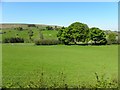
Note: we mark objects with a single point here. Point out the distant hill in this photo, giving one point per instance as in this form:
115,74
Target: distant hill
109,31
40,26
15,25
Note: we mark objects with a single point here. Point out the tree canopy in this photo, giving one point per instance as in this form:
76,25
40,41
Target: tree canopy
80,32
97,35
76,32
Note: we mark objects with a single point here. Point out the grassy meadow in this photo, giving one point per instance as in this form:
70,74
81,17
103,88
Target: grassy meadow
48,34
59,64
28,65
59,45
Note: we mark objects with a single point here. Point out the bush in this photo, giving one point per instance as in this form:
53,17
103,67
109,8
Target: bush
31,25
19,28
111,39
47,42
13,40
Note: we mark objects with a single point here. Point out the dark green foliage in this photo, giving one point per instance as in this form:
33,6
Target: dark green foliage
13,40
56,28
49,28
30,33
79,32
103,41
19,29
2,32
31,25
63,27
76,32
98,36
62,36
47,42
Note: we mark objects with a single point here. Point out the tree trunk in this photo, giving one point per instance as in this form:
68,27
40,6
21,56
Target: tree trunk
75,41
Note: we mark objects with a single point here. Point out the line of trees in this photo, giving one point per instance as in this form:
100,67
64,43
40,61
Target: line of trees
52,28
76,33
80,33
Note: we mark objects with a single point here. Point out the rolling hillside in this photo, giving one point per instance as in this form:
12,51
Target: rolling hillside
15,25
9,30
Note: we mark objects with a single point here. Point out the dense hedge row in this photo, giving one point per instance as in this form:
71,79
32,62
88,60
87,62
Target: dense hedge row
47,42
13,40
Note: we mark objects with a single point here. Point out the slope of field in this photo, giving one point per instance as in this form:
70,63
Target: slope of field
24,63
48,34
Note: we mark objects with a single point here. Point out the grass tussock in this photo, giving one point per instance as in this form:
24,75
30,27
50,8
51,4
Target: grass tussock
60,81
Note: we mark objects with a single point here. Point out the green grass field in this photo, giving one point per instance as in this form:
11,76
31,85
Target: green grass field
24,63
1,65
48,34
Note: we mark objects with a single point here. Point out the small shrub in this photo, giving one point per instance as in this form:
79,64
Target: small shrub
47,42
19,28
31,25
13,40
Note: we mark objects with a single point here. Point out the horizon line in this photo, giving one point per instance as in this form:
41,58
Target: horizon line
46,24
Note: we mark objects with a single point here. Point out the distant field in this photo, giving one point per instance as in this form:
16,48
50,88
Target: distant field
24,63
48,34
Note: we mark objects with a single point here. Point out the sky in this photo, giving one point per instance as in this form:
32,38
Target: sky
60,0
95,14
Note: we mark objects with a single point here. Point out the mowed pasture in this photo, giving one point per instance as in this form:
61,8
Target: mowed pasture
23,63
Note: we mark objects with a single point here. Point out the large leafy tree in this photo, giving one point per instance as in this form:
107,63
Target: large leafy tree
98,36
63,35
76,32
